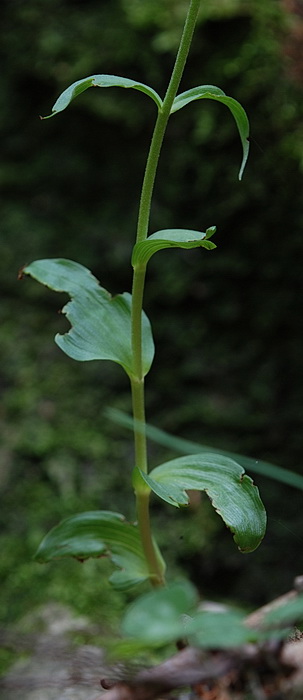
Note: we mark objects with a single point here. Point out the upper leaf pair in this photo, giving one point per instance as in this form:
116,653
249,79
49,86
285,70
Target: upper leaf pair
201,92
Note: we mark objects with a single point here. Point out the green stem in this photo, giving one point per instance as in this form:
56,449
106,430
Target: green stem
161,123
137,388
156,571
137,382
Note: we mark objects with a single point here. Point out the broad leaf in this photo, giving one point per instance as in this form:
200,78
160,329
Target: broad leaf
101,324
96,534
157,618
171,238
230,490
289,613
219,630
166,615
104,81
210,92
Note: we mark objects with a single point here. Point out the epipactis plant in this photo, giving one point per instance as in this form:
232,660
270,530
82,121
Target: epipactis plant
116,328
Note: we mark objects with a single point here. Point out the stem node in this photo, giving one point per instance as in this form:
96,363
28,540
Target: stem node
137,382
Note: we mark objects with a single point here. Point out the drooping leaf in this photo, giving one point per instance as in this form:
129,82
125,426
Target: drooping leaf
196,93
210,92
101,324
231,491
271,471
171,238
104,81
96,534
157,618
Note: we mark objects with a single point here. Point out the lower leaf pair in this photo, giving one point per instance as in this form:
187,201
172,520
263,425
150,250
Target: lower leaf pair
103,533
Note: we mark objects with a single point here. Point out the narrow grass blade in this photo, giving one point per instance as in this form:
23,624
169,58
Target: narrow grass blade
271,471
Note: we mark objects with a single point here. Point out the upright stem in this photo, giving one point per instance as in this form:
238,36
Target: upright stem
161,123
137,382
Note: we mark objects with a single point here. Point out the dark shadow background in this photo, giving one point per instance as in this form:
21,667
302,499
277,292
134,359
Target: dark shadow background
227,324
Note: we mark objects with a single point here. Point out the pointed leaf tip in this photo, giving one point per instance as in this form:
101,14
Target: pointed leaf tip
170,238
211,92
210,231
101,80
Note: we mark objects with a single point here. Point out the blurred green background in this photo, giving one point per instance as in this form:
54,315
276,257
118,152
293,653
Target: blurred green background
227,324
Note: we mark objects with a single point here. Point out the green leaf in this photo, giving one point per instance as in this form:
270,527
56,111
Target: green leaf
104,81
166,615
101,324
210,232
230,490
196,93
96,534
170,238
210,92
219,630
156,618
289,613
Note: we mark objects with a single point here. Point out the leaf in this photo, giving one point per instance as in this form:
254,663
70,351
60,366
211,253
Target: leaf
101,324
219,630
231,491
196,93
157,618
289,613
104,81
211,92
166,615
210,232
170,238
96,534
271,471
